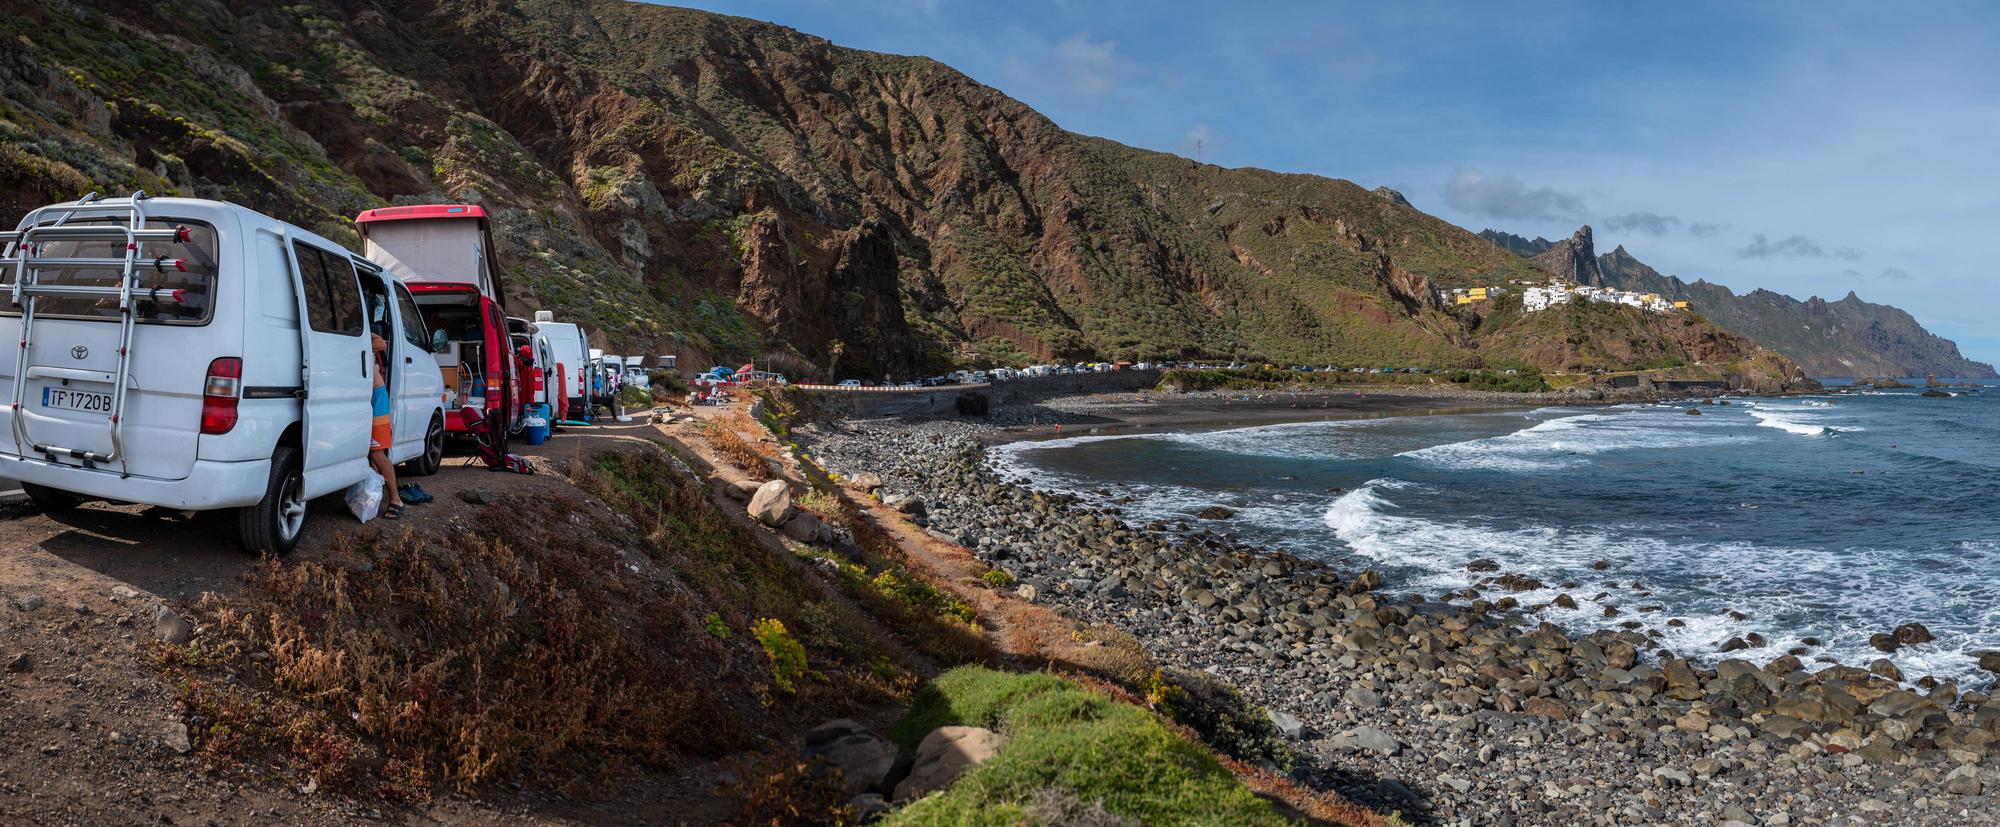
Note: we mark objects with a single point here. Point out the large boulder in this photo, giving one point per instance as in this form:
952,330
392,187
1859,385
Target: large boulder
907,503
1369,739
1288,725
864,760
170,627
806,527
1912,634
867,481
946,754
772,504
743,489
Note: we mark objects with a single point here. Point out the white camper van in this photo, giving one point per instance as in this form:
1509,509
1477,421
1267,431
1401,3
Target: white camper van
163,361
571,357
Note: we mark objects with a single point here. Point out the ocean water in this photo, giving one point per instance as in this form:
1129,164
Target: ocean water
1831,517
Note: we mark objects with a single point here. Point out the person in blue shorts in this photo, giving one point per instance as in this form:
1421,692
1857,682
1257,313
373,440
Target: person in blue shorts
379,436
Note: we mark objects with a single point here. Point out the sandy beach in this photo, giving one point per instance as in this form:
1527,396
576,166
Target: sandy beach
1138,412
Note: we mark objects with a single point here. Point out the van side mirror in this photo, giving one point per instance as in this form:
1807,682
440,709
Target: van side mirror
437,341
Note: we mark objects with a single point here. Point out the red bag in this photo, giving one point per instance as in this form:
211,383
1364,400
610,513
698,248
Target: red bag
486,440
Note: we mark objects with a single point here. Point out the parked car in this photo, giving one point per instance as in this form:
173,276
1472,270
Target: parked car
210,393
637,376
443,252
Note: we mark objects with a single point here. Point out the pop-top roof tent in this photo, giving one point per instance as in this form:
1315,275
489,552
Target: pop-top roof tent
433,243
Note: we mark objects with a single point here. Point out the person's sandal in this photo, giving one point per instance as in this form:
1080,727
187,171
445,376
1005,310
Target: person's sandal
392,512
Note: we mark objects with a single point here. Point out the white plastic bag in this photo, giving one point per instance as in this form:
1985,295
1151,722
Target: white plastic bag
364,498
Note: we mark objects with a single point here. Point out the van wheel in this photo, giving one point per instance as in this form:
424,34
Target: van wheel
273,525
51,499
433,456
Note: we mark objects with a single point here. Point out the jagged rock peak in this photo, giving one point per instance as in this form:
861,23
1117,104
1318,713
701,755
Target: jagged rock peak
1582,238
1574,259
1393,196
1515,244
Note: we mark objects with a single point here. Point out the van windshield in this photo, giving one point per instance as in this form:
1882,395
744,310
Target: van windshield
198,254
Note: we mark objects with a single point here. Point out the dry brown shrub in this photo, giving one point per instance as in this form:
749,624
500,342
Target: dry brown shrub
724,436
469,661
782,791
1118,656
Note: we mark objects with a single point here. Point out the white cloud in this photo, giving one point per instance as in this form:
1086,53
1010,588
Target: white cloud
1648,223
1796,246
1077,68
1093,68
1505,197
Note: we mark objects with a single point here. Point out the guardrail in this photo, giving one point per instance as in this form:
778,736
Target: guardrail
892,388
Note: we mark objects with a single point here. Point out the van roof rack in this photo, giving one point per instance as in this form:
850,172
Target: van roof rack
23,259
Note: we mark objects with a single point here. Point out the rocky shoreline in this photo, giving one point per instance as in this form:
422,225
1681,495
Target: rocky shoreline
1456,710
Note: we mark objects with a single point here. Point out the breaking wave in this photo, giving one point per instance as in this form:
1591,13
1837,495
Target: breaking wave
1792,425
1568,442
1837,596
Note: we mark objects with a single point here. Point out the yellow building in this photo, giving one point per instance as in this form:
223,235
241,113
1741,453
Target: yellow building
1680,305
1464,299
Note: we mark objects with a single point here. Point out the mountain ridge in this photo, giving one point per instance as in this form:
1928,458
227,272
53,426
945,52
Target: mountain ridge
728,188
1844,338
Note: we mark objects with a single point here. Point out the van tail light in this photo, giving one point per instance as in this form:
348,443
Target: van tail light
219,393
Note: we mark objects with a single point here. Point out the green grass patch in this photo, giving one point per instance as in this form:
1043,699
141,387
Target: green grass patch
1066,739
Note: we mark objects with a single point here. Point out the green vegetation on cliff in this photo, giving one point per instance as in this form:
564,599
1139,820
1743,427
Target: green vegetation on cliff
1069,752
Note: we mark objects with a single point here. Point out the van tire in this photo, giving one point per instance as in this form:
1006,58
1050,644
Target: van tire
266,528
428,462
50,499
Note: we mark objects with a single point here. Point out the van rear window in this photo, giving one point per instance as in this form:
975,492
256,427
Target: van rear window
198,254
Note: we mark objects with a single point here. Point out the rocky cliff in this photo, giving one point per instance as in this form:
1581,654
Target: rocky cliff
678,179
1573,259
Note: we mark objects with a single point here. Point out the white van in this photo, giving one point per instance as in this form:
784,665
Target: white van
566,344
225,400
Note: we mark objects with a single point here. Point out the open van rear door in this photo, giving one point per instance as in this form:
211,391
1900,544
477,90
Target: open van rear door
307,436
336,368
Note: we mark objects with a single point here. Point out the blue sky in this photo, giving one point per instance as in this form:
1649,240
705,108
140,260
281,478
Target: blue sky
1811,149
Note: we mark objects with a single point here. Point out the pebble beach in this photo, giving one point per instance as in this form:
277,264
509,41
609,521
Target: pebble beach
1452,709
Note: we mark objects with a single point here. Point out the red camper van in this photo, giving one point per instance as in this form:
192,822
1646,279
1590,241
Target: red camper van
444,253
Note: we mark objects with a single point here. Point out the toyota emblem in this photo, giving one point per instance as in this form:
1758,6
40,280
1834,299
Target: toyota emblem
79,351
